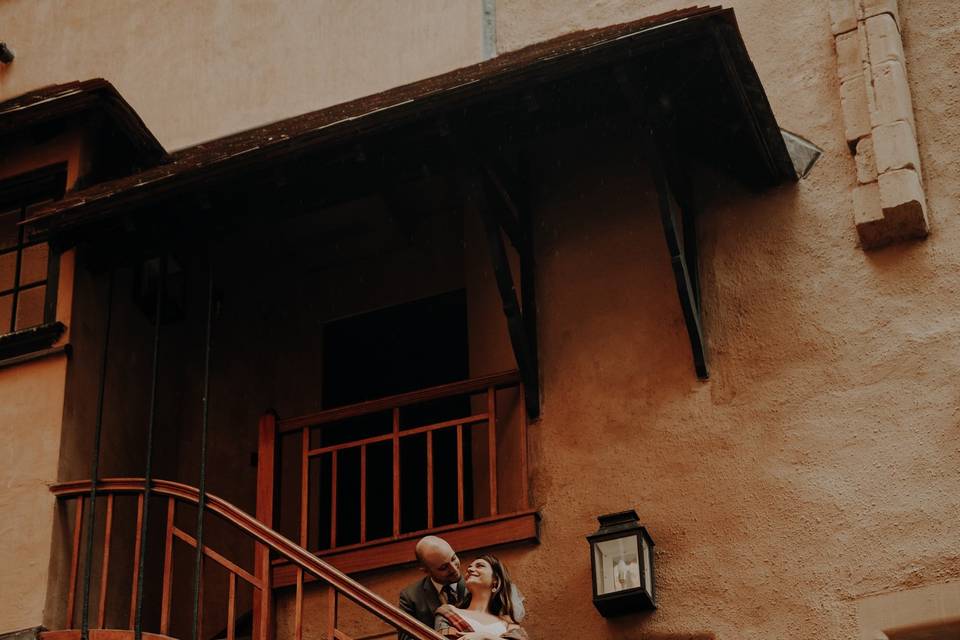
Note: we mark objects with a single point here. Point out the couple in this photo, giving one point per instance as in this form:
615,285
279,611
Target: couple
481,605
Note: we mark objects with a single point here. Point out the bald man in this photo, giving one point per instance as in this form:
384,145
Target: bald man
442,584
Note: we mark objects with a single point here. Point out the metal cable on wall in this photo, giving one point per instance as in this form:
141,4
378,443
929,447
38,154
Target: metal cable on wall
148,467
198,565
95,464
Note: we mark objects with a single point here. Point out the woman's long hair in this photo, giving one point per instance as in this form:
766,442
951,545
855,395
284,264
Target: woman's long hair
501,601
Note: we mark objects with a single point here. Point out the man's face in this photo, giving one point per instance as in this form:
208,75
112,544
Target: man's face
441,563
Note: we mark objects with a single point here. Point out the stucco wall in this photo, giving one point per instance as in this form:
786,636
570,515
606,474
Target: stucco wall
31,411
200,70
31,404
819,464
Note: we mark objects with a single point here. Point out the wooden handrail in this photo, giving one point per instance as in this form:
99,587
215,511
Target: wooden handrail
279,544
502,379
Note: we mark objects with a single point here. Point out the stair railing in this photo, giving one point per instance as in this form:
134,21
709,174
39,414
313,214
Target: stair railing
266,541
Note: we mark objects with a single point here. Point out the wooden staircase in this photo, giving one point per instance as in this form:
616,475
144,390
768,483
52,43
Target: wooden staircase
268,545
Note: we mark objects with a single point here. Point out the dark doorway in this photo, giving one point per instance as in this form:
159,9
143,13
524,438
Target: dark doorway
394,350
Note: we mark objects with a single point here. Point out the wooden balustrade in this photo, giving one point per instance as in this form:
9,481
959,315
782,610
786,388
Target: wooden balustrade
277,561
480,395
262,536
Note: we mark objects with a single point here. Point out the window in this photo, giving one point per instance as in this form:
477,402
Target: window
28,269
407,444
394,350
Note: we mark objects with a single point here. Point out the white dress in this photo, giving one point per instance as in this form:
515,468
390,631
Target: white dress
494,628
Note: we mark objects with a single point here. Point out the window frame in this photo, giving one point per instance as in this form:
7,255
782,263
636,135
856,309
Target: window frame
21,192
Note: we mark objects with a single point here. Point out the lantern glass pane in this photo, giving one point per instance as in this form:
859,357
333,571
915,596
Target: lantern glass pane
618,565
648,562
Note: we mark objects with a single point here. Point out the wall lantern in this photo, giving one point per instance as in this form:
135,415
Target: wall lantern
621,555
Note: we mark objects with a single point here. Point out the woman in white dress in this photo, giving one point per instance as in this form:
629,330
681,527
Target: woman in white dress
487,613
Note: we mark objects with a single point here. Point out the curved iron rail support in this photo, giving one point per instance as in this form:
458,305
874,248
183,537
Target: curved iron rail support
281,545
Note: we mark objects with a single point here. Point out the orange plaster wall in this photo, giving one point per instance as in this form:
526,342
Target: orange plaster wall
31,412
31,408
819,465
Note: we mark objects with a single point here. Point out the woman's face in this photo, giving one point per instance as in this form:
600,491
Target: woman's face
479,574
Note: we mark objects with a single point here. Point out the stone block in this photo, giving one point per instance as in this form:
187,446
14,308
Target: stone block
866,164
849,58
891,209
856,111
883,39
891,94
903,205
843,16
866,204
895,147
868,8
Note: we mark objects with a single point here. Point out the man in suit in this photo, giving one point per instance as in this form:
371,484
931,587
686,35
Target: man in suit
443,583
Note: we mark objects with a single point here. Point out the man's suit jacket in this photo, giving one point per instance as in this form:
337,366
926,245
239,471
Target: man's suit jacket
421,600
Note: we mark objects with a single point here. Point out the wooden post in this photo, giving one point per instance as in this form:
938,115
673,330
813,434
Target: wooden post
167,568
137,541
492,447
396,472
75,561
524,473
105,565
266,458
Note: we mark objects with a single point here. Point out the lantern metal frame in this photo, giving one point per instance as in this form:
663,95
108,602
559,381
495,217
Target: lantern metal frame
624,525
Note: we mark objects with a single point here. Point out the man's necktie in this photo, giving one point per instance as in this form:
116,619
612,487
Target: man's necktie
450,592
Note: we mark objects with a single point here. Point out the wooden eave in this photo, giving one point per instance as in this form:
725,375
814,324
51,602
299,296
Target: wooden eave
46,105
492,91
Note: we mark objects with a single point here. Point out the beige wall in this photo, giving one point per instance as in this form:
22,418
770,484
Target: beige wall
200,70
819,465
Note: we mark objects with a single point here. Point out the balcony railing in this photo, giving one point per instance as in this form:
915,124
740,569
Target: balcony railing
483,421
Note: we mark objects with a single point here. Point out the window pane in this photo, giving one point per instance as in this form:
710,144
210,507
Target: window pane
8,228
8,269
6,306
30,307
33,264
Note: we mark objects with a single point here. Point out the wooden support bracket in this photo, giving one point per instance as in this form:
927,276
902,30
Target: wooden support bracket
673,193
503,210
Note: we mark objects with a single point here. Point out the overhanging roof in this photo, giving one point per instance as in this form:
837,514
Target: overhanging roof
58,102
696,56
